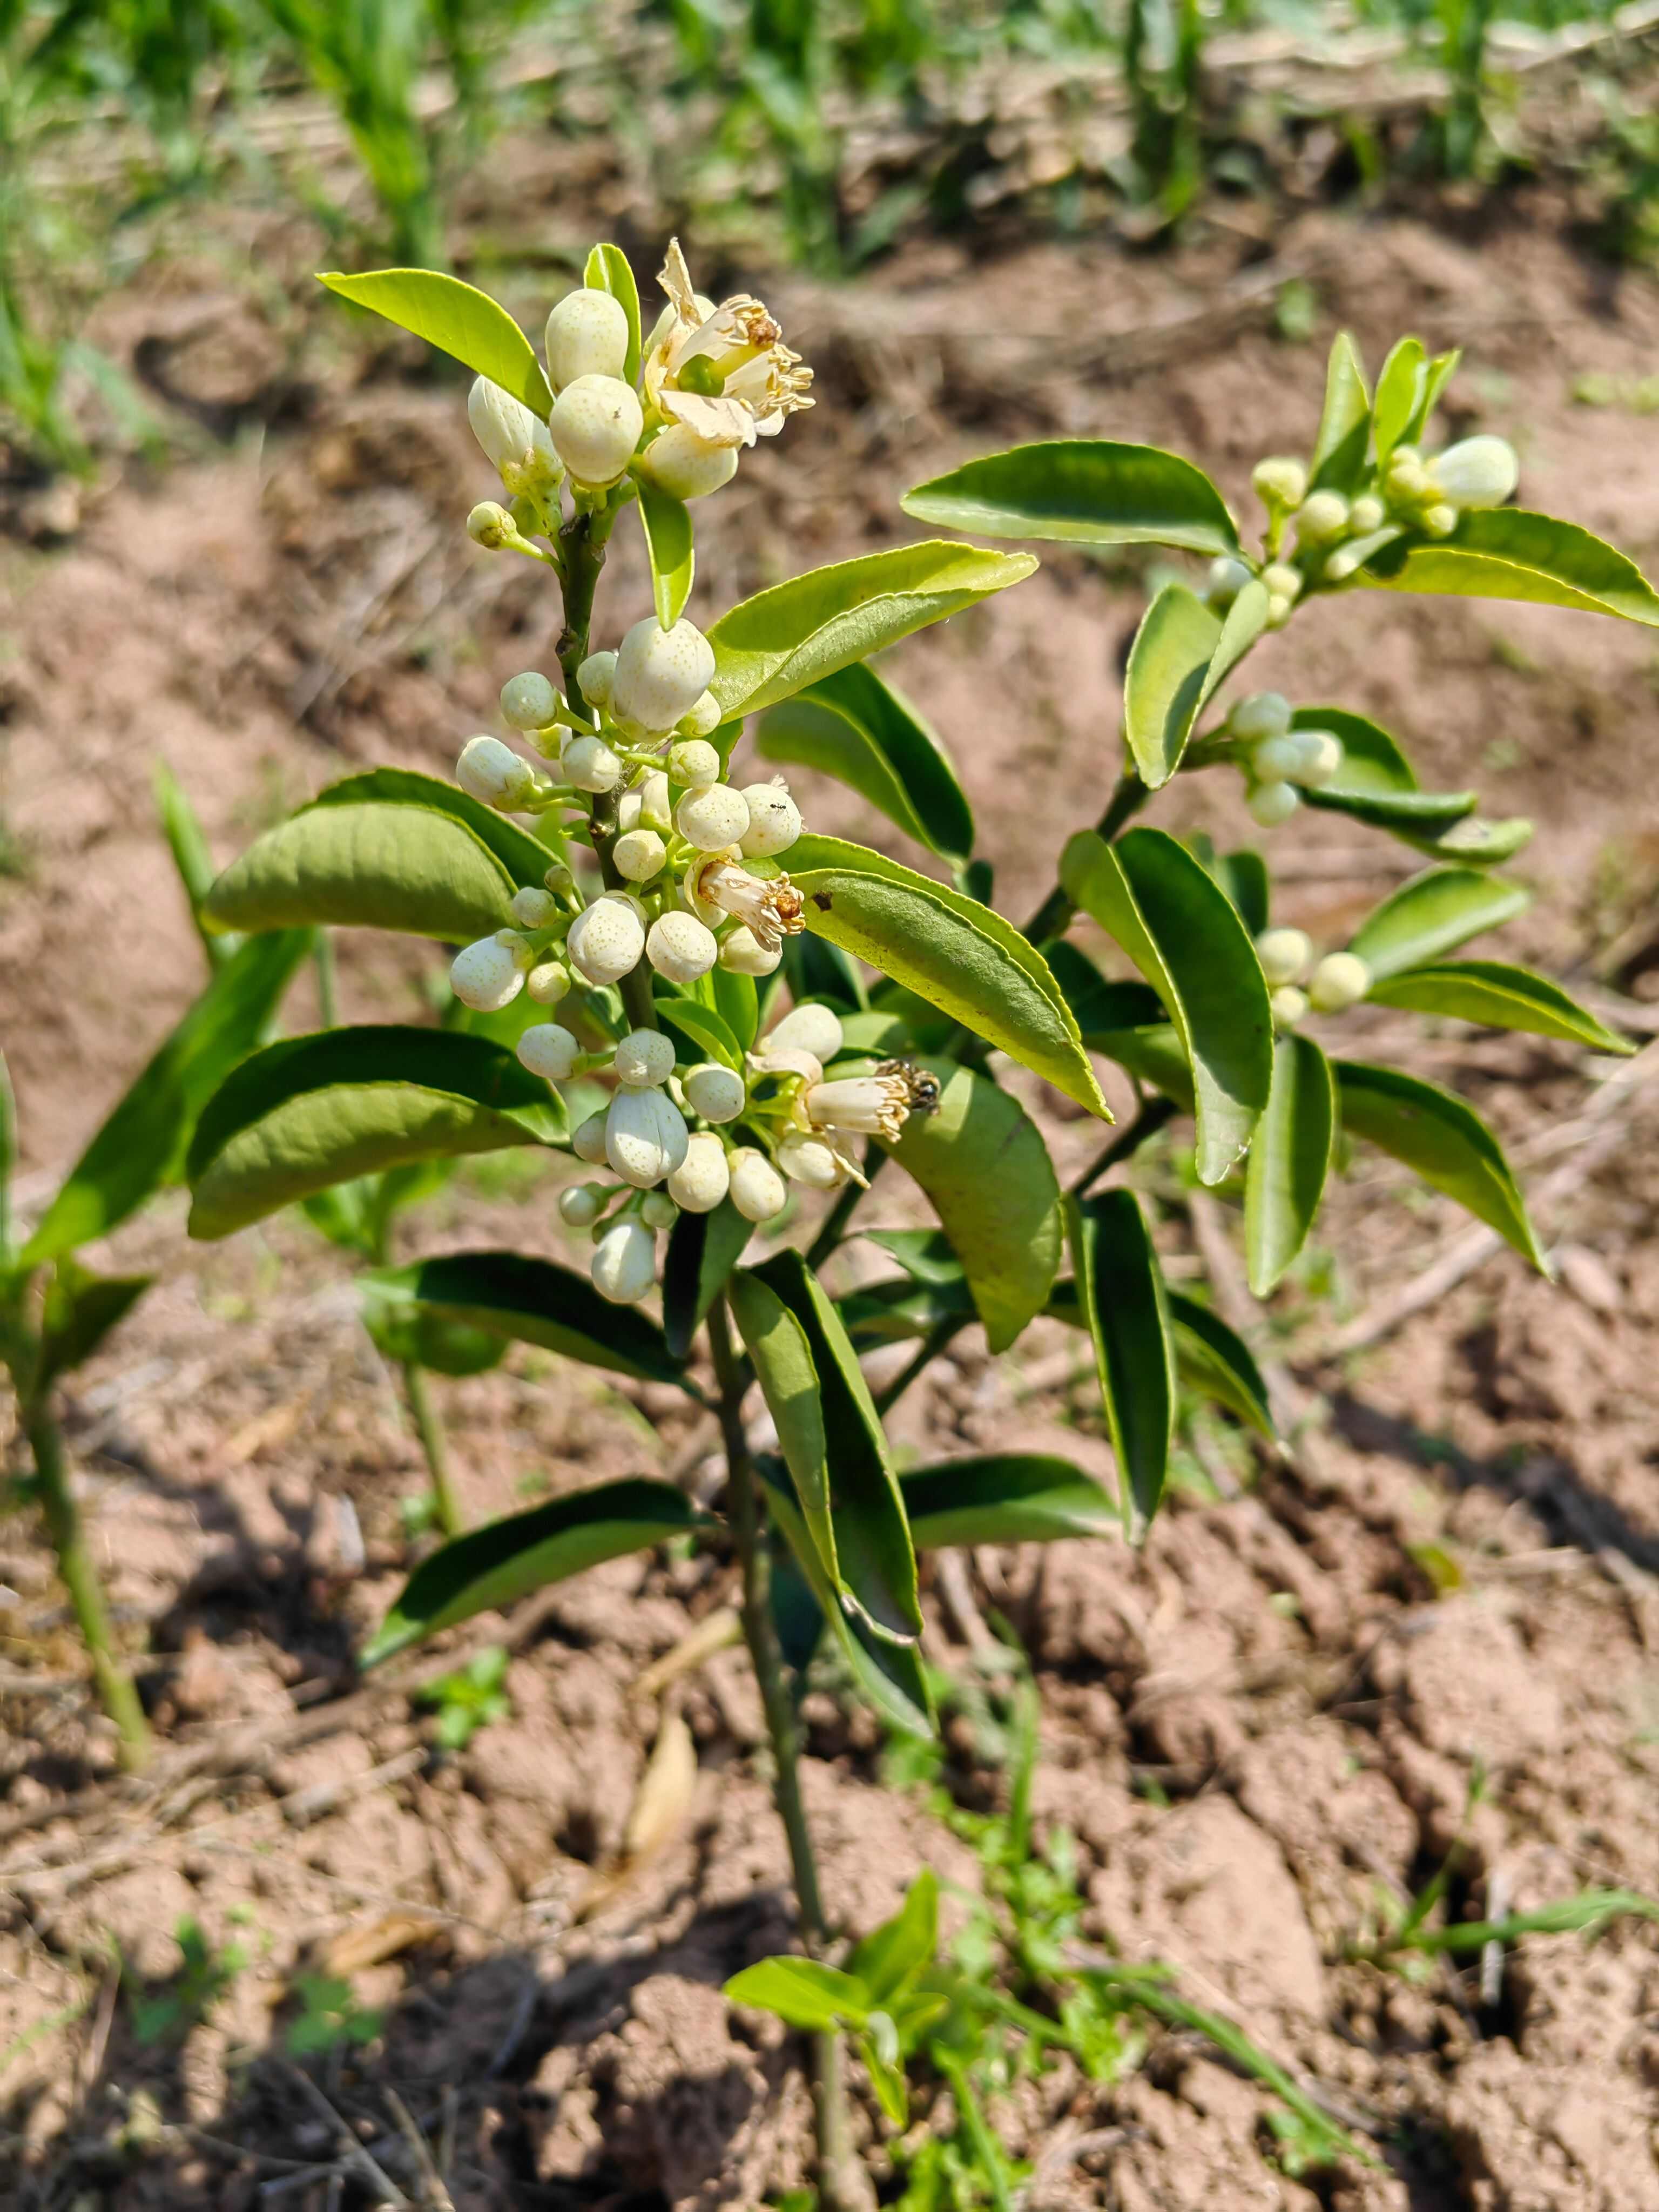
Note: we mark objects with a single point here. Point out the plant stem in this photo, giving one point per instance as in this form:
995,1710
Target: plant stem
434,1444
80,1578
1154,1113
1128,799
844,2184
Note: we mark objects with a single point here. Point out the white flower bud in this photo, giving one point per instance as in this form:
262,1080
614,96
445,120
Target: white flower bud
644,1058
742,953
590,765
809,1160
1279,610
687,466
714,819
1228,577
1263,715
533,909
586,335
548,982
1322,514
581,1206
595,425
714,1092
490,525
657,1210
487,975
1287,1006
679,946
638,854
1367,514
645,1136
703,1178
548,1051
605,940
1476,471
587,1140
1276,760
1441,520
1341,980
1342,565
1283,581
807,1029
529,701
1319,756
1279,482
595,676
1270,803
661,673
625,1261
758,1189
494,773
703,714
1406,479
695,764
559,880
516,441
774,821
1284,955
655,812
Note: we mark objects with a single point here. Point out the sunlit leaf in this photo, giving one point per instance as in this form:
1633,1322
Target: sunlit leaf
855,727
456,318
1289,1160
1081,491
1431,915
1442,1139
1505,553
1120,1292
669,549
1006,1498
1502,997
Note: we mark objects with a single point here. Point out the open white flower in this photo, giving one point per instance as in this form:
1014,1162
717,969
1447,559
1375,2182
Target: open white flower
725,375
770,910
876,1105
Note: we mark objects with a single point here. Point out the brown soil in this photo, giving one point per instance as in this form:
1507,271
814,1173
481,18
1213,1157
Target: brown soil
1256,1728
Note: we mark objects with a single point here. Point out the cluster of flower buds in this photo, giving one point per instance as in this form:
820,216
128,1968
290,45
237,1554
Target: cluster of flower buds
1279,763
1296,981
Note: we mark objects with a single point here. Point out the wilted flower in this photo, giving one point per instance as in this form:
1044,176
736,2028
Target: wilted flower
725,374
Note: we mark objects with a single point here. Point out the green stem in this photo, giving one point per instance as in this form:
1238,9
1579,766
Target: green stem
844,2185
1154,1113
1056,913
435,1445
80,1578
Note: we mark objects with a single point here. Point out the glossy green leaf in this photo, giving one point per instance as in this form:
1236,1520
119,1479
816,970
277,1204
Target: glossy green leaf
891,1957
1504,553
1243,875
608,271
1006,1498
1099,1006
1404,375
734,998
1502,997
524,855
1121,1289
899,1309
801,1992
78,1312
957,954
1442,1139
1473,842
1432,914
1376,783
315,1110
192,861
530,1301
1184,934
927,1256
142,1143
709,1033
1169,662
456,318
800,631
1289,1160
1340,448
857,728
781,1351
1081,491
702,1250
669,548
987,1174
491,1567
1436,375
1215,1360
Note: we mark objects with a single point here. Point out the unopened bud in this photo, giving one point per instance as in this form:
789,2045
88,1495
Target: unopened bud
605,940
1322,514
687,466
587,334
625,1263
742,953
595,425
638,854
1476,471
1270,803
589,764
695,764
487,975
661,673
558,879
714,1091
657,1210
1341,980
515,439
1319,756
1441,520
714,819
703,714
1282,579
655,812
491,771
1367,514
529,701
808,1159
703,1178
1284,955
547,983
1287,1006
758,1189
548,1051
581,1206
533,909
1263,715
645,1136
774,820
1276,760
1406,479
1279,482
680,947
595,676
588,1140
645,1058
809,1028
1279,610
1228,577
489,524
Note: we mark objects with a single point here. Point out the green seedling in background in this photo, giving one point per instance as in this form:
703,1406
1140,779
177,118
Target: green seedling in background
470,1698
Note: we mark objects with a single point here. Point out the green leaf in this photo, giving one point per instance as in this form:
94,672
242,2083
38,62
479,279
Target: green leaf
1120,1289
702,1250
1165,683
608,271
1376,782
1503,998
1404,374
734,998
781,1351
784,638
1099,1006
79,1311
927,1256
957,954
1339,449
1442,1139
801,1993
456,318
668,548
181,826
142,1143
1472,842
1285,1177
490,1567
1214,1360
857,728
520,1299
987,1174
890,1958
870,1555
1081,491
524,855
1184,934
1243,875
1006,1498
1437,376
1504,553
897,1310
709,1032
406,1333
1430,914
315,1110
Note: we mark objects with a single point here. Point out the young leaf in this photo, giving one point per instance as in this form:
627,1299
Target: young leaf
801,1993
702,1250
710,1035
891,1958
957,954
734,998
1504,553
1430,914
315,1110
798,632
1006,1498
1243,875
1081,491
142,1143
181,826
987,1170
1338,453
1404,374
517,1299
1443,1139
1376,783
523,855
79,1311
456,318
608,271
669,549
1185,936
403,1332
855,727
1214,1360
1436,375
1472,842
1120,1289
1502,997
490,1567
1290,1158
1163,687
